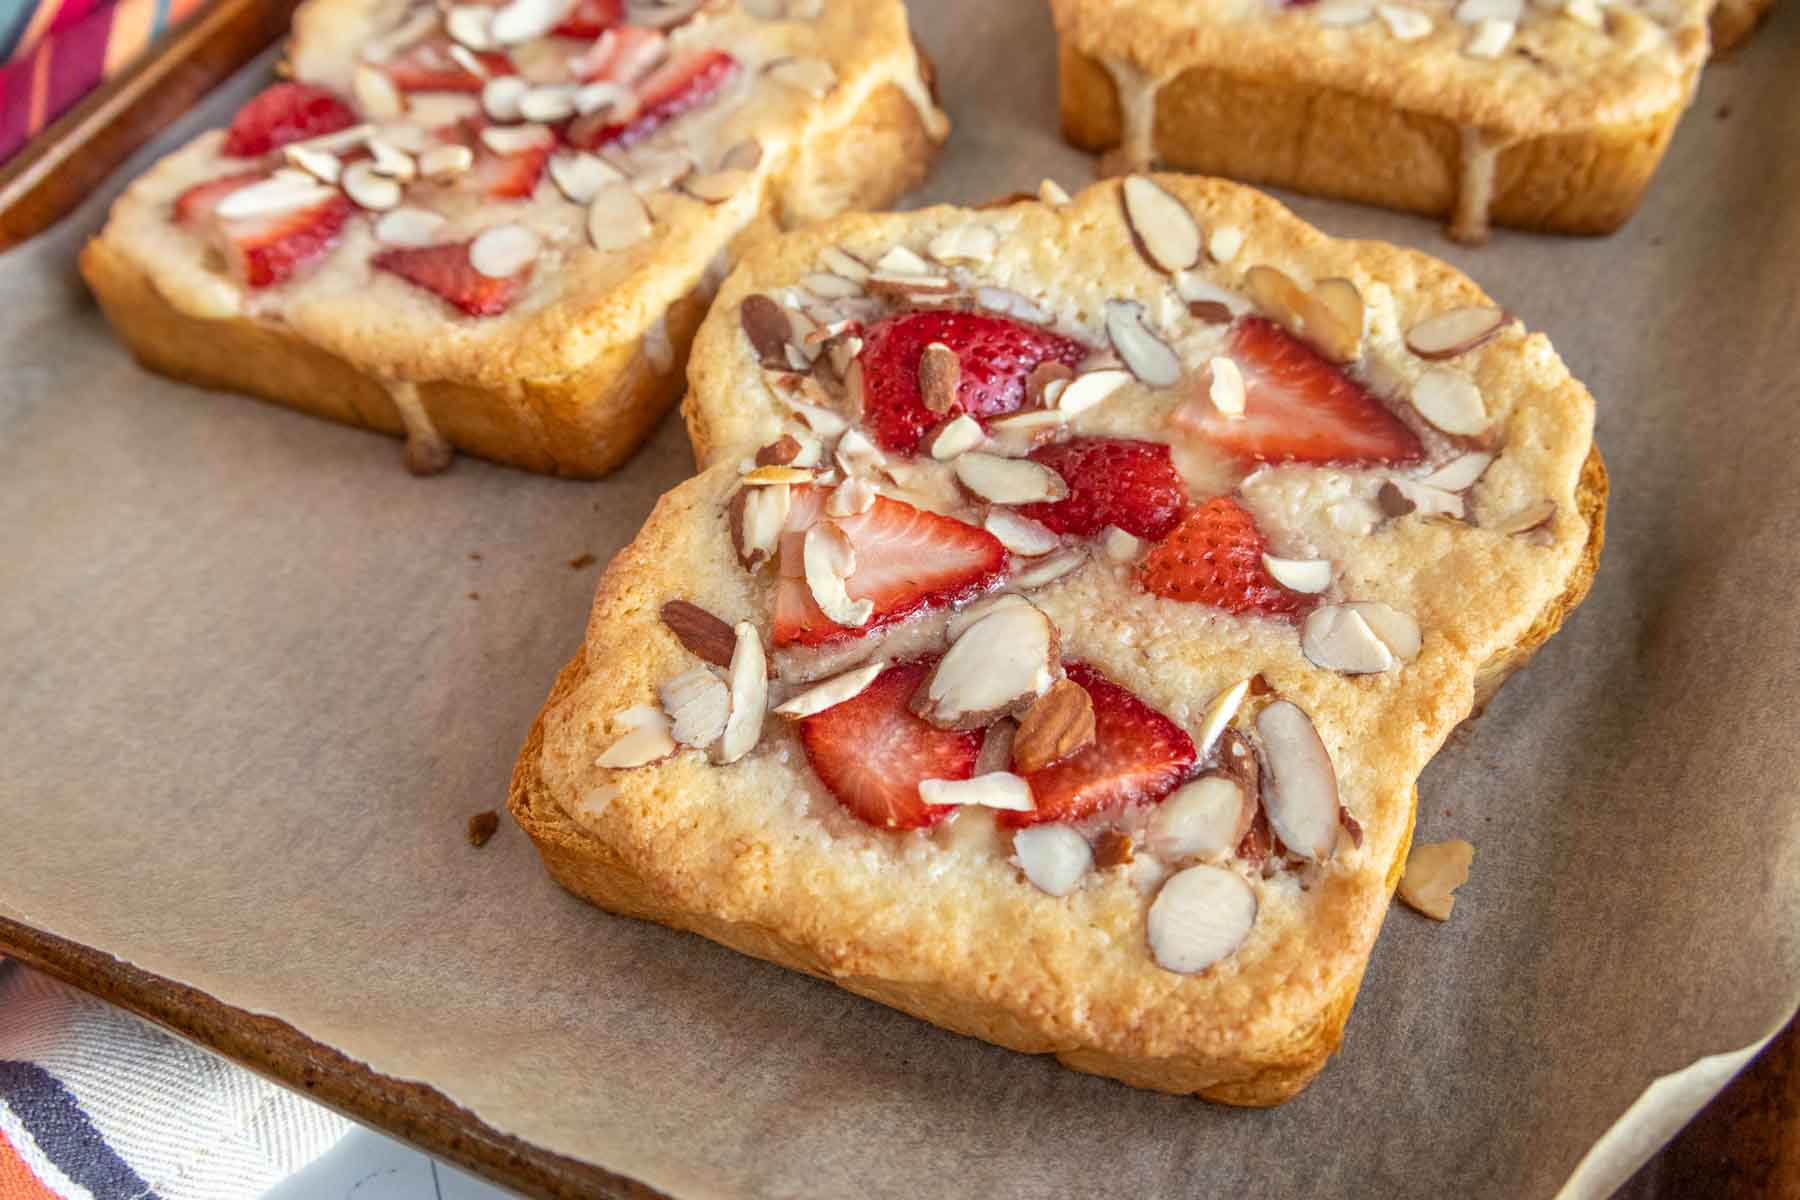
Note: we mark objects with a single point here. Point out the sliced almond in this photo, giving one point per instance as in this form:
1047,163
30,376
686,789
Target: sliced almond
1353,515
548,102
1010,480
515,139
469,25
408,227
700,633
1021,535
968,615
757,517
1058,725
956,437
829,560
1053,857
1165,230
766,326
272,196
1052,193
1049,568
745,155
698,702
1276,295
1145,355
764,476
1406,24
1342,13
749,680
579,177
1399,496
996,667
1457,331
1451,402
1017,434
842,262
1219,712
1434,870
617,218
1397,631
884,283
1201,915
857,455
443,162
851,497
391,161
1090,388
465,58
645,739
1204,820
502,95
1226,386
1010,303
1460,473
1309,575
1338,639
1532,517
901,261
813,76
1300,790
832,692
997,789
376,193
1334,319
1202,293
1490,39
504,251
524,20
828,285
1120,546
968,243
605,95
375,94
1226,241
939,372
322,165
717,187
654,171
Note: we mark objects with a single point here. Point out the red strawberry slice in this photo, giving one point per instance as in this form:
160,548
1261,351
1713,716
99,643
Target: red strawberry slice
997,355
506,176
674,88
872,753
428,67
196,204
265,250
1215,557
287,112
591,18
1298,407
623,56
1112,481
446,270
1138,755
906,559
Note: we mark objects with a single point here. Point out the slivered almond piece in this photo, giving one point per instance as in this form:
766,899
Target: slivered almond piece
1166,231
749,680
1010,303
1276,295
501,96
1053,857
391,161
1406,24
1338,639
1461,473
698,703
1089,388
828,561
1532,517
1052,193
828,285
1300,789
617,218
1205,820
746,155
915,286
996,667
468,25
968,243
376,94
504,251
1201,915
1219,712
766,326
1399,496
1308,575
1457,331
850,497
831,692
1049,568
376,193
548,102
764,476
1226,386
580,176
322,165
1058,725
1490,39
1397,631
965,617
524,20
901,261
1021,535
273,195
813,76
857,455
958,436
645,738
1118,545
1334,319
1341,13
717,186
703,635
939,372
1227,240
1009,480
408,227
996,789
442,162
1450,401
1434,870
1197,289
605,94
757,517
1146,356
842,262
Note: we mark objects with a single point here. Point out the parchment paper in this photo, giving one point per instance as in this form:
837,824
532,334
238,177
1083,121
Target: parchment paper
254,678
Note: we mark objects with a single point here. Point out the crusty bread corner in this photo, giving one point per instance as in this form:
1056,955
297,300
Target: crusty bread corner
581,424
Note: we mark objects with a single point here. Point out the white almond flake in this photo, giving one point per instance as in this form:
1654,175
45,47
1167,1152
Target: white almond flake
1166,229
996,665
579,177
822,421
1309,575
1338,639
851,497
617,218
504,251
829,285
320,164
1201,915
272,196
1585,12
408,227
698,702
1397,631
749,679
764,513
1053,857
469,25
590,98
339,140
1460,473
654,171
1194,287
958,436
1018,434
828,561
1010,480
717,186
1120,546
1052,193
1021,535
1202,820
1532,517
1426,500
1433,871
1012,304
1473,12
442,162
778,474
525,20
389,160
646,739
1300,789
856,454
1406,24
964,244
465,58
813,76
1219,712
832,692
1489,40
1450,401
901,261
1226,389
996,789
376,94
746,155
1146,356
1226,241
514,139
841,262
1050,568
960,620
1087,390
548,102
1338,13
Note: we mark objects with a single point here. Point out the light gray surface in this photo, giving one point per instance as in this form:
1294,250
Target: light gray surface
247,705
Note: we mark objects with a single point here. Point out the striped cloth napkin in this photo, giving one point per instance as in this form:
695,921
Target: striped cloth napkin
98,1105
52,52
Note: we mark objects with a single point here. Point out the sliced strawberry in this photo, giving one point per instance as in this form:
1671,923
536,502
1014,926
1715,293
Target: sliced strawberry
872,753
196,204
506,176
623,56
446,270
1215,556
1138,755
1298,407
906,559
428,67
265,250
591,18
287,112
996,355
674,88
1112,481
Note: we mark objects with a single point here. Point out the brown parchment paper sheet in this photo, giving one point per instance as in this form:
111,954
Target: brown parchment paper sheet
254,680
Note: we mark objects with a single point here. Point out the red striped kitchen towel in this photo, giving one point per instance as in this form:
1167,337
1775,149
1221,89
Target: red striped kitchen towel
98,1105
52,52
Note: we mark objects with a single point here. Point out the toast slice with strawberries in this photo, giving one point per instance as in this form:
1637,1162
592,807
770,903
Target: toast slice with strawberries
1052,640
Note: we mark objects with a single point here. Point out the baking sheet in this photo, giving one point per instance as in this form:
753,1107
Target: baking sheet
254,678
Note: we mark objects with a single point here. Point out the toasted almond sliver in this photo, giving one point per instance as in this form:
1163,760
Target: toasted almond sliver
764,476
1052,193
958,436
1434,870
617,218
1165,229
1120,546
1147,356
1397,631
1053,857
1219,712
1455,332
842,262
813,76
1226,386
1012,304
831,692
1460,473
1338,639
1089,389
376,94
1009,480
548,102
408,227
468,25
377,193
995,667
320,164
996,789
579,177
515,139
391,161
901,261
718,186
441,162
1300,788
828,560
1340,13
829,285
968,243
1308,575
1200,915
645,738
1532,517
1334,319
1490,39
698,703
1019,534
504,251
883,283
1450,401
1202,820
273,196
851,497
749,680
1049,568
